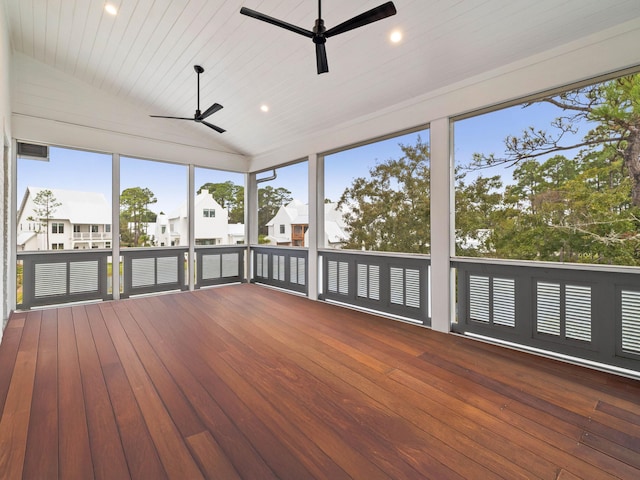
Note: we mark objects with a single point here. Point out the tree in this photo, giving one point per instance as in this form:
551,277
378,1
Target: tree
390,210
476,208
134,207
580,209
229,196
613,108
269,201
46,204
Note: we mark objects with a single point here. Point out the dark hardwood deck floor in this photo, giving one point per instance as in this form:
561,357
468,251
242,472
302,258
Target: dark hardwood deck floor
247,382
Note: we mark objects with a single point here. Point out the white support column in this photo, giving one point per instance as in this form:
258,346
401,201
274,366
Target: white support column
251,208
442,226
192,227
250,218
316,220
115,225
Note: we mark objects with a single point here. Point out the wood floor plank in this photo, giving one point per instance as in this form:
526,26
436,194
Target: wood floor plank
142,457
41,459
74,444
211,457
106,446
171,447
14,424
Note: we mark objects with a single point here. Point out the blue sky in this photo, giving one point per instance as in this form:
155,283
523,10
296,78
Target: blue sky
88,171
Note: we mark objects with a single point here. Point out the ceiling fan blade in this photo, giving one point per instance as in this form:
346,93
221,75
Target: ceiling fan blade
211,125
274,21
321,58
383,11
211,110
175,118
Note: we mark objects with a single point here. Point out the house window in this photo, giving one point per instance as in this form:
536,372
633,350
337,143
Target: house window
107,244
281,228
76,229
107,228
57,246
94,228
164,229
57,228
208,212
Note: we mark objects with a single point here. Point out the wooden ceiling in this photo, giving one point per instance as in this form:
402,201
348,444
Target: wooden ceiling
143,57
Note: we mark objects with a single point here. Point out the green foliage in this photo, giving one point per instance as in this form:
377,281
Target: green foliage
135,215
390,210
582,209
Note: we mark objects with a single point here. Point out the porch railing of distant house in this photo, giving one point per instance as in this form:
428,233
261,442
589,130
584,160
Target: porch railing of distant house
584,311
91,236
283,267
390,283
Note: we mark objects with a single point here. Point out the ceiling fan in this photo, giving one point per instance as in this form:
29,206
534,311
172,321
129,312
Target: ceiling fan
199,116
319,34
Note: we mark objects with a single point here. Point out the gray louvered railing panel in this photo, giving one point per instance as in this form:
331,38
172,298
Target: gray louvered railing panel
584,311
84,276
143,272
230,265
578,312
167,270
149,270
59,277
283,267
630,321
548,308
220,264
389,283
504,302
211,266
51,279
412,297
479,298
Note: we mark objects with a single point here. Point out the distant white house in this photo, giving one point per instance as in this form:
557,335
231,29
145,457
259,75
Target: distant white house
211,225
290,225
81,221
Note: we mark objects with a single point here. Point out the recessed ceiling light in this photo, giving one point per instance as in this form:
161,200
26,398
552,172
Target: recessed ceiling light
395,36
264,108
111,9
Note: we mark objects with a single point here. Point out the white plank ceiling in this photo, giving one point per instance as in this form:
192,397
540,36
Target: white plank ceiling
144,55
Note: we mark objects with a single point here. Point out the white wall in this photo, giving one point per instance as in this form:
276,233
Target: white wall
5,172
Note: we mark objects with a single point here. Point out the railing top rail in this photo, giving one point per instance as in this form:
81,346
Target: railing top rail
373,253
85,252
277,247
590,267
220,247
125,250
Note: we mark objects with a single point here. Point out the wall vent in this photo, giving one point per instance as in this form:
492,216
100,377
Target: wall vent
33,151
